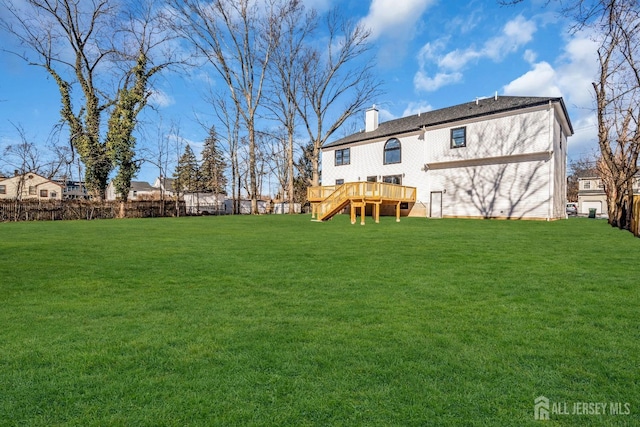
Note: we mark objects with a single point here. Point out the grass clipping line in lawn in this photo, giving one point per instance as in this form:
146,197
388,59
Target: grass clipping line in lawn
275,320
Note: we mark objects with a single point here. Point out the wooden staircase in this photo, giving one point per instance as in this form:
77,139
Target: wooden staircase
329,200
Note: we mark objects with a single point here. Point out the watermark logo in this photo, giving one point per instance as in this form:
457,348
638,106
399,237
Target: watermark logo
544,409
541,408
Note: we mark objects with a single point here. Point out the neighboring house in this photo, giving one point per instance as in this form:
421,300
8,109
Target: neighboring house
164,185
30,186
139,190
74,190
500,157
591,194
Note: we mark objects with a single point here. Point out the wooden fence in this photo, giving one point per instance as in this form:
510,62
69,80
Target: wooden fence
53,210
635,221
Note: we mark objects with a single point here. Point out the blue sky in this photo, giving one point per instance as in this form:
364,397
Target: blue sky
430,54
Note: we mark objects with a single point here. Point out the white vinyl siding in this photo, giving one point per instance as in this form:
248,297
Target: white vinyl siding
512,165
508,190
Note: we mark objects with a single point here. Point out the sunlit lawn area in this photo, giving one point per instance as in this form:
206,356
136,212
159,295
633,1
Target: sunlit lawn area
276,320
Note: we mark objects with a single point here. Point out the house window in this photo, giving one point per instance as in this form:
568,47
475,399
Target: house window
392,179
600,184
392,151
339,181
53,194
343,157
372,179
459,137
44,193
3,189
32,190
587,185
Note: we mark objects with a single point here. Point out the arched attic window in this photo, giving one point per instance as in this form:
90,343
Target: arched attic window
392,151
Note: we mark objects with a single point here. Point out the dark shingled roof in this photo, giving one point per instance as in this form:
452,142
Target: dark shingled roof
483,107
141,186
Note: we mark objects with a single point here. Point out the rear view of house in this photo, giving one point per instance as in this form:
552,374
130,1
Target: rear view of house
500,157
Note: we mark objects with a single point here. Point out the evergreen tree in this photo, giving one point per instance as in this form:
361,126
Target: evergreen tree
304,176
186,173
212,169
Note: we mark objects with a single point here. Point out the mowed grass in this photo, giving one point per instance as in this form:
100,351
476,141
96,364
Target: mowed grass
276,320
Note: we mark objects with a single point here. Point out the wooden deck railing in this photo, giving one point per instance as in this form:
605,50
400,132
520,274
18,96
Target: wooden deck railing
318,194
337,197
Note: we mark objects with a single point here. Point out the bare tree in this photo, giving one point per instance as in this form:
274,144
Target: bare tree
284,95
229,116
616,25
237,37
337,73
159,156
178,144
23,156
618,107
277,152
142,33
82,43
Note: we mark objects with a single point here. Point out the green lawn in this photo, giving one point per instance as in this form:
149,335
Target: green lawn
276,320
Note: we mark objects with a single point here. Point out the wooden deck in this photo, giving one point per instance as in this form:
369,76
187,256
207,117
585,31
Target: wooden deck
326,201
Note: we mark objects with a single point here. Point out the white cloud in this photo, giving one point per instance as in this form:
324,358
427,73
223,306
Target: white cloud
394,24
430,52
530,56
515,34
458,59
160,99
520,30
422,81
571,78
416,107
540,81
577,70
394,18
385,115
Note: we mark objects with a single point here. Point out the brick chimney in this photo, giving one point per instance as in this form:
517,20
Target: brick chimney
371,119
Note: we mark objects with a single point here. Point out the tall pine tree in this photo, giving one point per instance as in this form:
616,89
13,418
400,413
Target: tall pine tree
186,173
304,176
212,169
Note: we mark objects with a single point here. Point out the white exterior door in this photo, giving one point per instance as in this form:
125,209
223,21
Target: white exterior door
435,204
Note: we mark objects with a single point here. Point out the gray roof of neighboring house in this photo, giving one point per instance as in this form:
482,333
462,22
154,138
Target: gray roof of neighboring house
141,186
482,107
167,182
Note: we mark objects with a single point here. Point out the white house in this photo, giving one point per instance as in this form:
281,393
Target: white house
139,190
591,194
165,185
30,186
500,157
